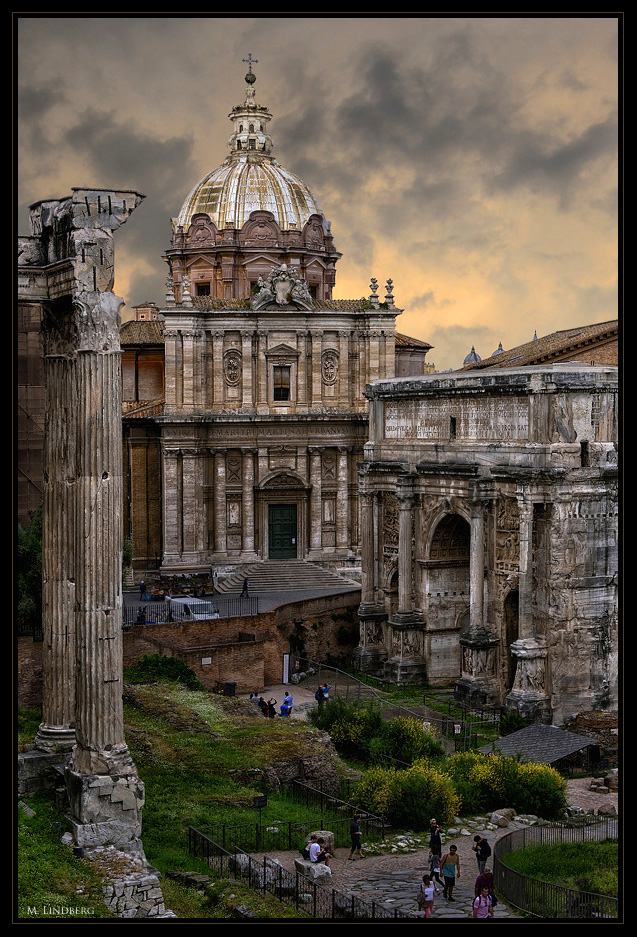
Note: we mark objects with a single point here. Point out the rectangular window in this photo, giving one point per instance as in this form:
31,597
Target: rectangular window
203,289
281,383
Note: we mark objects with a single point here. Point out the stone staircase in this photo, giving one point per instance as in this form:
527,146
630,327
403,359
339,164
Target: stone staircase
284,576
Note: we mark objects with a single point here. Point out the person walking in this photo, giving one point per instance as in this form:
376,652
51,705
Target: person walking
435,840
426,894
450,867
434,866
142,590
355,834
483,906
244,593
482,850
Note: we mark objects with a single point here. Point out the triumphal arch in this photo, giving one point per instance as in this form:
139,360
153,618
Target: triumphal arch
489,525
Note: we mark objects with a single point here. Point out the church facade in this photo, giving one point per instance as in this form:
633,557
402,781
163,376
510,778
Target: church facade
254,453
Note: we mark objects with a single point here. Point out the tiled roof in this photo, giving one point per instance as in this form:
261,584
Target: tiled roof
406,341
551,347
146,332
540,743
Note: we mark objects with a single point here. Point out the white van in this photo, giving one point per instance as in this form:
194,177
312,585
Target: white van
187,608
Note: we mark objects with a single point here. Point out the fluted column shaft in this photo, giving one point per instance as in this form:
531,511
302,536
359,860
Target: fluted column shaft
58,541
99,537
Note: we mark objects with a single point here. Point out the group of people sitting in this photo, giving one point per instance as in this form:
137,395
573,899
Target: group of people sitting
269,708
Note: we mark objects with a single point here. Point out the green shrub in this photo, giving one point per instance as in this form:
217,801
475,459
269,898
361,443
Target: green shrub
486,782
409,798
155,667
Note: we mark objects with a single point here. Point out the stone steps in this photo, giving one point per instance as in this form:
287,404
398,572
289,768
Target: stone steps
284,576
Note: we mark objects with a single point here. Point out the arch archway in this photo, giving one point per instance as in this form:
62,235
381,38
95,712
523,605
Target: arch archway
446,587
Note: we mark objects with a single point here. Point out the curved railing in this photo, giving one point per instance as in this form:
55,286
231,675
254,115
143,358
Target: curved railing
545,899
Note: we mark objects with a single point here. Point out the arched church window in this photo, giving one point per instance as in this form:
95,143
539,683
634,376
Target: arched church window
251,128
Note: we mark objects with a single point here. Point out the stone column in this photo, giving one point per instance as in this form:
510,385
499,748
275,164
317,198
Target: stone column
371,653
476,566
220,502
317,382
342,500
105,794
316,503
525,587
530,695
343,370
368,560
405,497
217,368
301,390
58,534
246,376
248,502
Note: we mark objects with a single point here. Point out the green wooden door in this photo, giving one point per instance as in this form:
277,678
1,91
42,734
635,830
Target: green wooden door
282,531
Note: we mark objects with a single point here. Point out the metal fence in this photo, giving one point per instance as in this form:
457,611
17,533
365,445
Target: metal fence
544,899
292,888
231,606
286,835
460,733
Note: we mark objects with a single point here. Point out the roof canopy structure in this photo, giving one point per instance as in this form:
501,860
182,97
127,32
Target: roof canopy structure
539,743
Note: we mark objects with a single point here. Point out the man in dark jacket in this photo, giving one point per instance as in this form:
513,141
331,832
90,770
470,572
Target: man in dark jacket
482,851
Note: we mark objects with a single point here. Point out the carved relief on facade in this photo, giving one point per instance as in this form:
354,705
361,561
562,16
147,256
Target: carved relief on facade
374,635
313,234
233,468
507,534
261,231
202,232
232,368
328,465
390,520
329,367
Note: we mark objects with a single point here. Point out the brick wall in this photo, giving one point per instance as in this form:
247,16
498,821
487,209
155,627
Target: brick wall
322,628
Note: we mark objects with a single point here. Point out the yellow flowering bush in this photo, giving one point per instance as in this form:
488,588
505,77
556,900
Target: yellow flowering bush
409,798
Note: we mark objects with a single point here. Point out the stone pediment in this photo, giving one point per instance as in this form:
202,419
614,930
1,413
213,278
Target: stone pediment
282,349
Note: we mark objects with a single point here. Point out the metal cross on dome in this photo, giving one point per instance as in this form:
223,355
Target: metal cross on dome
250,61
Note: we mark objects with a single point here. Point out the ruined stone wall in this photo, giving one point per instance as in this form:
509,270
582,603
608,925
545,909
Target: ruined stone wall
29,658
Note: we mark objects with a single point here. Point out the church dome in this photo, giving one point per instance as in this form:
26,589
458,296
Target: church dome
250,179
473,357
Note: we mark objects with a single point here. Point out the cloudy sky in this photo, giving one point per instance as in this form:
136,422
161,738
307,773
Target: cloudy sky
472,160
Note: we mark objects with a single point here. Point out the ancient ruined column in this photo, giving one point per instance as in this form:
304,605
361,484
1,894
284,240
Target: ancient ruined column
105,794
368,562
56,732
526,570
476,566
405,497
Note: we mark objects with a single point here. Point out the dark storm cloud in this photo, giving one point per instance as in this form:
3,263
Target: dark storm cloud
541,163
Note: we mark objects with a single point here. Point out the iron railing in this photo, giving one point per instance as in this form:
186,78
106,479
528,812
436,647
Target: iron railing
232,606
545,899
461,732
292,888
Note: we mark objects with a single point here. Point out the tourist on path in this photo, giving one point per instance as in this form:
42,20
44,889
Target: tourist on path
426,895
484,880
355,833
435,841
483,906
450,866
482,851
244,593
142,589
434,866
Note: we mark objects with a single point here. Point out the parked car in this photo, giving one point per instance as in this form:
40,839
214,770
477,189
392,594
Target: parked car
187,608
